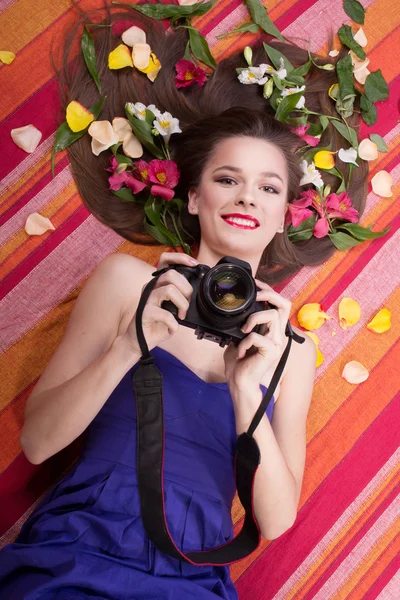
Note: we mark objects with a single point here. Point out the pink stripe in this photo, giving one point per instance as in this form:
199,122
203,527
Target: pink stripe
26,164
65,260
387,586
317,516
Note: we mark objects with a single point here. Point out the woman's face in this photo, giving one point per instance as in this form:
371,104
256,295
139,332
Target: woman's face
241,199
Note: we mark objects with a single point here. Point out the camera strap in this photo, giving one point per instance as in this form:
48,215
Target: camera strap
147,384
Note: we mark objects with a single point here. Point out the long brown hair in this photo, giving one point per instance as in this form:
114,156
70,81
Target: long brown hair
222,108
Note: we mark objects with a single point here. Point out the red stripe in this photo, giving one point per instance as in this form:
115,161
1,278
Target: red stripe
388,574
49,244
318,515
220,16
388,113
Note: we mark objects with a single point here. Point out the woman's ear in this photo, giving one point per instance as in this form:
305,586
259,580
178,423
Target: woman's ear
282,226
192,203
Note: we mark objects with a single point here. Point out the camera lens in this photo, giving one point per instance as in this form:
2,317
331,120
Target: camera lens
227,290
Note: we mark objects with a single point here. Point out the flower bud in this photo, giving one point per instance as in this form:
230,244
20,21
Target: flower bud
248,55
327,67
268,88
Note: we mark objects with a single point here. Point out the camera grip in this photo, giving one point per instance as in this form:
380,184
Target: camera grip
170,306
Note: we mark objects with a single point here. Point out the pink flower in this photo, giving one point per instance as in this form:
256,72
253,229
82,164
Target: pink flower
341,207
302,133
117,180
298,211
143,170
165,175
321,228
188,73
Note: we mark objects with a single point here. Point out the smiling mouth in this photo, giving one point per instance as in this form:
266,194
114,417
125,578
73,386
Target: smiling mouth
241,222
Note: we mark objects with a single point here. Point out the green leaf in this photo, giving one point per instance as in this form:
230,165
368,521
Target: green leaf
160,236
297,121
362,233
294,79
344,70
342,240
303,70
125,194
287,105
187,55
89,54
275,57
150,117
324,122
260,16
379,141
355,10
165,11
348,133
200,49
123,160
152,209
375,87
368,111
346,36
142,130
65,136
250,27
304,231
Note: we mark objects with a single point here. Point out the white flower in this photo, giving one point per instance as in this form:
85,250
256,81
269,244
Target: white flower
255,74
311,175
348,156
281,72
295,90
139,110
166,125
154,110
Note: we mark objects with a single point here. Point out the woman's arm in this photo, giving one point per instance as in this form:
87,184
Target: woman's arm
282,443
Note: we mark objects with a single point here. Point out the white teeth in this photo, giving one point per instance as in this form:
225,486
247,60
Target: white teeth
241,221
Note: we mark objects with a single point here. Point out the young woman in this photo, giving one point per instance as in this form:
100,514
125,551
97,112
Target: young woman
238,166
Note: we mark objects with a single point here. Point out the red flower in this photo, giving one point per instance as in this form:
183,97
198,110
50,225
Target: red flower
164,175
302,133
117,180
341,207
188,73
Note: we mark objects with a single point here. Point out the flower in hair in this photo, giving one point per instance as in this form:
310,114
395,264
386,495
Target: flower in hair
122,177
138,109
165,124
255,74
164,175
301,131
188,74
324,159
294,90
310,174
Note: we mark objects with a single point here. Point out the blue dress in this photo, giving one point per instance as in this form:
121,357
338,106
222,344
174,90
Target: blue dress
86,538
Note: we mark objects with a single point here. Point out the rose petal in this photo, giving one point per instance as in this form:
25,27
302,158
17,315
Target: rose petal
27,138
324,159
103,132
361,75
120,58
6,57
311,316
361,38
348,156
77,116
382,183
333,333
36,224
355,372
367,150
121,127
349,312
333,91
358,63
132,147
154,67
381,321
333,53
134,35
141,55
187,2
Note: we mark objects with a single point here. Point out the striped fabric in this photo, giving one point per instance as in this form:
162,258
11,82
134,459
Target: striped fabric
345,542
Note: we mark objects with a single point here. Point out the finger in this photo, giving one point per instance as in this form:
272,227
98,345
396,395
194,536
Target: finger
283,305
172,293
272,320
264,345
176,258
177,279
156,314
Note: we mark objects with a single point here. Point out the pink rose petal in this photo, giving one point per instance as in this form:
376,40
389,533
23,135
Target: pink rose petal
36,224
355,372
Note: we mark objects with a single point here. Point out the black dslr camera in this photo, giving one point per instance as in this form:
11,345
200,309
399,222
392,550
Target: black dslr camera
223,297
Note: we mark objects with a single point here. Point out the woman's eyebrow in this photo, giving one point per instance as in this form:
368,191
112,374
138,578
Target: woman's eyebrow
237,170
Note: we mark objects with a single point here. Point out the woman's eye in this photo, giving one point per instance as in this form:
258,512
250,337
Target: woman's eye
226,180
270,189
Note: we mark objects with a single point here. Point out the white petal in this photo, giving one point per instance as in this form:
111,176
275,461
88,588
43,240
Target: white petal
121,127
358,63
187,2
134,35
156,112
141,55
348,156
361,75
333,53
102,131
355,372
367,150
382,183
27,138
36,224
132,147
360,37
301,102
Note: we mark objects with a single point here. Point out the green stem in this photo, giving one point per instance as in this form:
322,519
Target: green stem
177,230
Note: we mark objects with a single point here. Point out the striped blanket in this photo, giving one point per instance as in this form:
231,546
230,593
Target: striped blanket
345,543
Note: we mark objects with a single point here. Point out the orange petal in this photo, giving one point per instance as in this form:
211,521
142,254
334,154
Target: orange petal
355,372
132,147
320,358
381,322
134,35
6,57
120,58
141,56
27,138
122,127
311,316
36,224
349,312
77,116
382,183
367,150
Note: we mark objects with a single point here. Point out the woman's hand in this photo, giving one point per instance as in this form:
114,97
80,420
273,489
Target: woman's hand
159,324
248,362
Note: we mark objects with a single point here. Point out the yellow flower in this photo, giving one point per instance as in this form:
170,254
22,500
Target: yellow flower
349,312
153,67
381,322
315,339
324,159
6,57
77,116
120,58
311,316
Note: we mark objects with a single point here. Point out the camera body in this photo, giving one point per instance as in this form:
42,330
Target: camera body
223,298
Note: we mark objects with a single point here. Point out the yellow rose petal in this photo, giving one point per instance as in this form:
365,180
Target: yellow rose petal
153,67
355,372
134,35
77,116
120,58
6,57
324,159
333,91
382,183
333,333
381,322
367,150
349,312
132,147
36,224
311,316
27,138
315,338
141,56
